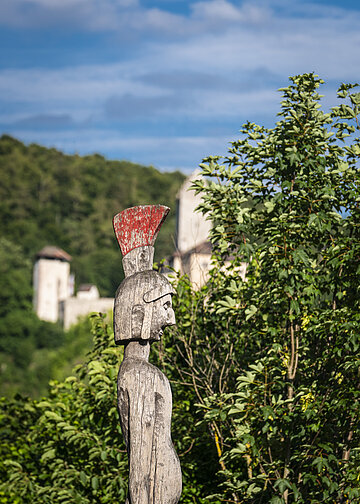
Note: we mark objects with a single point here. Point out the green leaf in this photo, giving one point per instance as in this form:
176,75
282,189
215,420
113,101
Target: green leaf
49,454
95,482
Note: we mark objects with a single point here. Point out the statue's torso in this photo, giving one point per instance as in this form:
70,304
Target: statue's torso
145,404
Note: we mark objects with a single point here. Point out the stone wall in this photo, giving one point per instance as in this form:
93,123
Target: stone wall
73,308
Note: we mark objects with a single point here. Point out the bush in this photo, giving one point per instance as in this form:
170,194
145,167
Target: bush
286,201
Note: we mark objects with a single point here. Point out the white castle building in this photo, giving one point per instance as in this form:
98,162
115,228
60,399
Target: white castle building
193,248
54,298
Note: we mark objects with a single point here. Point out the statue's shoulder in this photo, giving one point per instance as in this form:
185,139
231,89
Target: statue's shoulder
132,369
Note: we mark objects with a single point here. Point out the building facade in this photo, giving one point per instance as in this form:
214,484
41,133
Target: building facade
51,280
54,299
193,253
192,256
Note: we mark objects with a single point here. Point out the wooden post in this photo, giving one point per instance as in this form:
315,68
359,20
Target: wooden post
142,309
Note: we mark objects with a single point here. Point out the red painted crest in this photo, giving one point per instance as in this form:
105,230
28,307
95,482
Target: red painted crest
138,226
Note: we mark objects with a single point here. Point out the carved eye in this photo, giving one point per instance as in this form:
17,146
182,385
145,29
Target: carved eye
167,305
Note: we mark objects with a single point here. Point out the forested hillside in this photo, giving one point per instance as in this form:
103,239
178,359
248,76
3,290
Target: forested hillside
47,197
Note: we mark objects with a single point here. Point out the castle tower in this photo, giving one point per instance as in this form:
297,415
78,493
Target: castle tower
192,227
51,280
193,249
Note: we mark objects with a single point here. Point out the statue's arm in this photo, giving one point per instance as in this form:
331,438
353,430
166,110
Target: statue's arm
123,408
141,440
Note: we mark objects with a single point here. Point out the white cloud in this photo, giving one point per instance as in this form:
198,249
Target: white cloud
223,10
115,15
52,4
244,51
158,20
83,14
283,46
258,21
217,9
85,91
80,91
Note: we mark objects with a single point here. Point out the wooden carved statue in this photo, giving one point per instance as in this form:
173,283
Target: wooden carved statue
143,308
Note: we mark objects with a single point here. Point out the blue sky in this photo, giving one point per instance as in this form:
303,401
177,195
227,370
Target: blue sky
163,82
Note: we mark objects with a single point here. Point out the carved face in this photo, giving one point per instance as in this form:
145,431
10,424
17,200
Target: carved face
142,307
162,316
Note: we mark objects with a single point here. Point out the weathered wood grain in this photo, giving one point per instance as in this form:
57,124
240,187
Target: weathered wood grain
145,404
142,309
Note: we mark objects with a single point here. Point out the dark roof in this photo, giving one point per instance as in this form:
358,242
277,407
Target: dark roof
52,252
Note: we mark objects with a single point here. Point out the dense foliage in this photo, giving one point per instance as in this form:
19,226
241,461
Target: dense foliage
286,201
28,346
68,447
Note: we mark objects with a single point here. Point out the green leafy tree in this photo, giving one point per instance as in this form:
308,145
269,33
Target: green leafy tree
23,337
68,447
286,201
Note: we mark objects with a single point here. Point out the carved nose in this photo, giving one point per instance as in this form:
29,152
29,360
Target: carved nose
171,318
